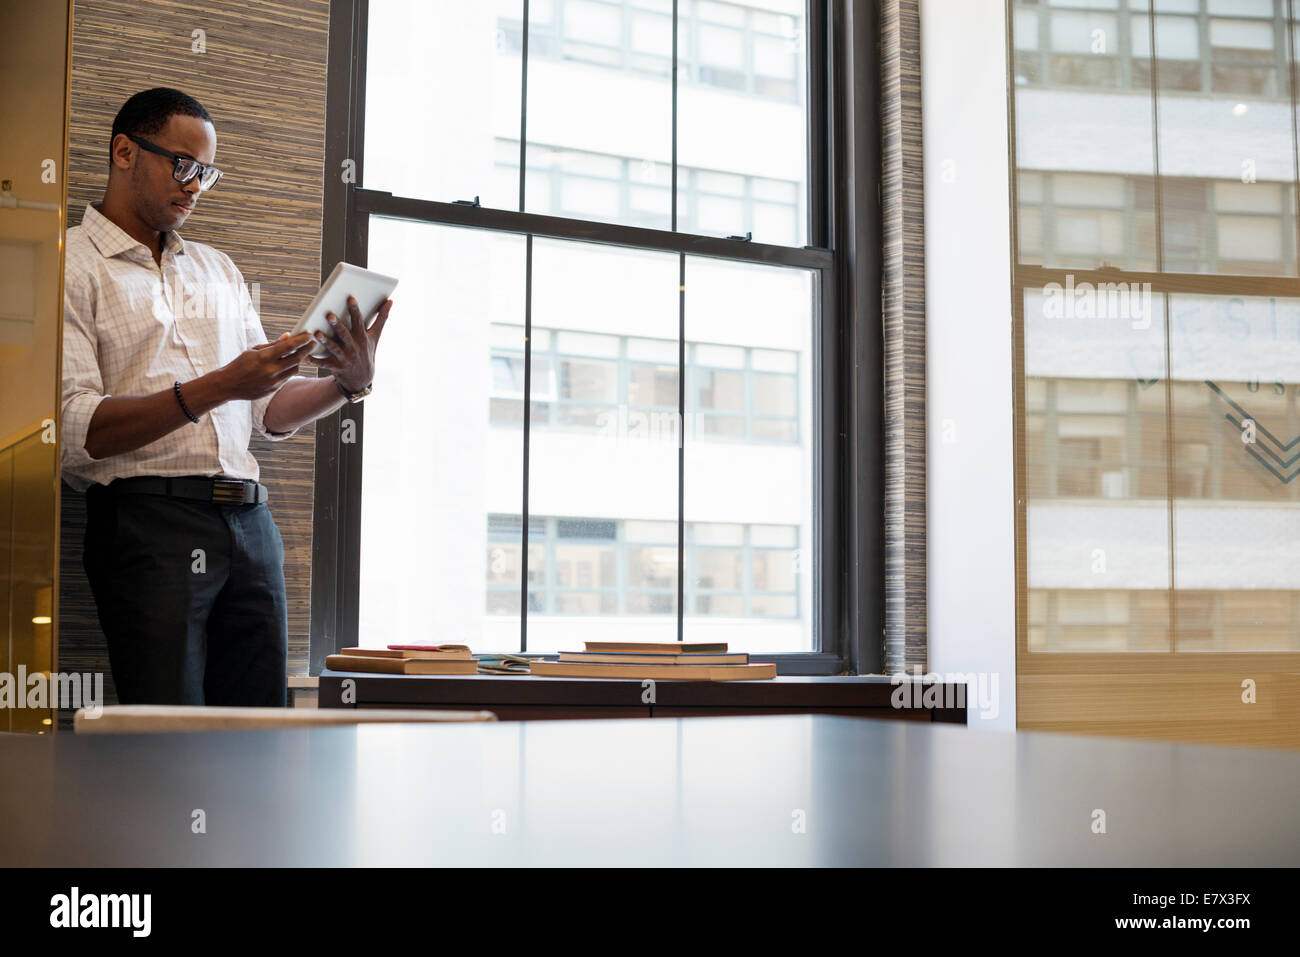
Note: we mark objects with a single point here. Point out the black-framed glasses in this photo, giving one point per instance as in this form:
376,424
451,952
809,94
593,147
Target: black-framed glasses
184,168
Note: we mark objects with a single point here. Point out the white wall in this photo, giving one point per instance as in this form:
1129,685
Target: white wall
968,340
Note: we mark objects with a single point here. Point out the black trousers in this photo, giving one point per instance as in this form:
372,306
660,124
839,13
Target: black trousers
190,597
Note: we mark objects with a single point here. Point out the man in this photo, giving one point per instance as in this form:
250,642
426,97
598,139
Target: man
166,373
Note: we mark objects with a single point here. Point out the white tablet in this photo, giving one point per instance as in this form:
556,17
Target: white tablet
369,288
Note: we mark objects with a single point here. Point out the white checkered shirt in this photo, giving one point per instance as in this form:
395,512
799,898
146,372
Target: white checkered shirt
131,328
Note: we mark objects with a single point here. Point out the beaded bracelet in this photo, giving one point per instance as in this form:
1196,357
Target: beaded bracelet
184,408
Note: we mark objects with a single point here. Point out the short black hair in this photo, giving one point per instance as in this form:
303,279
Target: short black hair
148,111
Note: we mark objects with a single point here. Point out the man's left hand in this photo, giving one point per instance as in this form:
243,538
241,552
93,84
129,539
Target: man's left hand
351,355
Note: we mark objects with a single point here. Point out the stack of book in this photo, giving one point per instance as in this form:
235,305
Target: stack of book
687,661
502,664
406,660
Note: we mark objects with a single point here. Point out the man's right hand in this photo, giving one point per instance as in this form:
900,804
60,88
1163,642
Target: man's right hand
262,369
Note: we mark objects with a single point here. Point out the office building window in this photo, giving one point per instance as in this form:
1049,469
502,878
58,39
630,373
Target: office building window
602,567
593,389
727,45
1113,620
602,118
1157,410
1232,47
605,383
443,474
579,184
1088,220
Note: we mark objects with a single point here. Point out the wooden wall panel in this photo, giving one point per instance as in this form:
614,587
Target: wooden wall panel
1202,707
262,77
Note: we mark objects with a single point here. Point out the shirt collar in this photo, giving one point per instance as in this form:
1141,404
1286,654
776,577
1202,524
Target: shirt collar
112,240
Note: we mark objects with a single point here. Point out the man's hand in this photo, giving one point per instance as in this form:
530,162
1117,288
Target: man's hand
351,355
262,369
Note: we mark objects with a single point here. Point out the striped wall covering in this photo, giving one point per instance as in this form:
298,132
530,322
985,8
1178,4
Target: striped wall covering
903,307
262,77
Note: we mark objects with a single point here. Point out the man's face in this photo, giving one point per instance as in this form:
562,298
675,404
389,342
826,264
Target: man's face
160,201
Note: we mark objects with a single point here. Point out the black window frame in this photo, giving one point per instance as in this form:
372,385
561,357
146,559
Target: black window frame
843,225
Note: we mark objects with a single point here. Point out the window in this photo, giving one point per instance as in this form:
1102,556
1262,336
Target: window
605,383
1065,621
1226,226
1158,319
1201,46
580,185
601,416
727,45
601,567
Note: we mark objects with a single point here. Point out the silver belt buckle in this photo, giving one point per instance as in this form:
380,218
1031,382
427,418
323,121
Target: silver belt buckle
228,491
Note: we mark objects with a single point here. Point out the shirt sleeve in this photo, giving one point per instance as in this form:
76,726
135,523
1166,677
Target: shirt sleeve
83,386
255,335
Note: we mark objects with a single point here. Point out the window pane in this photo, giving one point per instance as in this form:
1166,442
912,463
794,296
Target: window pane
774,606
1241,8
586,344
773,360
730,606
582,198
461,62
1241,36
774,56
722,47
652,568
727,13
1231,149
438,489
651,532
776,430
584,566
716,425
653,385
652,34
1177,38
508,375
1097,523
749,494
1085,151
721,183
594,22
774,395
719,569
780,536
741,112
1255,239
712,533
1074,189
720,391
717,215
600,114
607,476
1026,29
776,571
1236,426
652,603
724,357
586,380
655,350
1090,33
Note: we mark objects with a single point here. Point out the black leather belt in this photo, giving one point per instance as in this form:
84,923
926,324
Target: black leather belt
221,490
